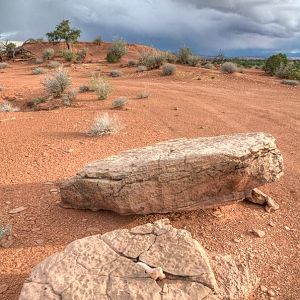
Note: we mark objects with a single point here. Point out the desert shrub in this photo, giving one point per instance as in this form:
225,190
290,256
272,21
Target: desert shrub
69,97
81,54
54,64
7,107
48,53
3,65
105,124
57,83
68,55
229,67
168,69
274,62
98,40
5,230
117,51
290,82
38,71
119,103
208,66
143,95
132,63
36,101
170,57
141,69
100,86
183,55
39,61
115,73
288,71
84,89
194,60
152,59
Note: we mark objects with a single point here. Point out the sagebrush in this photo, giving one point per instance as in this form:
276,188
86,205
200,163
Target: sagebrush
57,83
104,125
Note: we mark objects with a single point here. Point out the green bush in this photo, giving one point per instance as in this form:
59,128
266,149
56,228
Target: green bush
152,59
183,55
117,51
68,55
48,53
274,62
194,60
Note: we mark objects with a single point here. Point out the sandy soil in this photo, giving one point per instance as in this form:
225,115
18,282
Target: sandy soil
40,149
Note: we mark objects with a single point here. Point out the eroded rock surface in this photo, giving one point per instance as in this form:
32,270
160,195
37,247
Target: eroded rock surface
106,267
177,175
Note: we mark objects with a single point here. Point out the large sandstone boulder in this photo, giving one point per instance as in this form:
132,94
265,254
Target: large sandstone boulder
108,266
177,175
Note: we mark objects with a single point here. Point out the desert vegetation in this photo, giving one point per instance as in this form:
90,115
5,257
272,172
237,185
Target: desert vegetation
117,51
57,83
100,86
104,125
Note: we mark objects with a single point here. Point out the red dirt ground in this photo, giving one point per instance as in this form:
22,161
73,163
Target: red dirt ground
35,157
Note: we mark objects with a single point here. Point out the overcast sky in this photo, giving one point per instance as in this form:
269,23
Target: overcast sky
248,27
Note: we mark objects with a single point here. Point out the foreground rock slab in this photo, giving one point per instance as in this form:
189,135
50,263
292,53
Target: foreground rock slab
110,266
177,175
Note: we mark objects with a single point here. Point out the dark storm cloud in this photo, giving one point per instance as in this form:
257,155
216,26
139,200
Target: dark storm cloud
207,26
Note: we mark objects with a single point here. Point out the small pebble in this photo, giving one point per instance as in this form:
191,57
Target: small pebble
287,228
258,232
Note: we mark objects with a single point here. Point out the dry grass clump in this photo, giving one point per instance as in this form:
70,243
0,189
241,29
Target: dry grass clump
132,63
7,107
116,73
119,103
3,65
54,64
38,71
57,83
69,97
168,69
39,61
143,95
84,89
229,67
140,69
101,87
48,53
104,125
290,82
208,66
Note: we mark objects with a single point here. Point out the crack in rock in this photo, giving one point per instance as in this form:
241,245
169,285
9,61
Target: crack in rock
95,267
